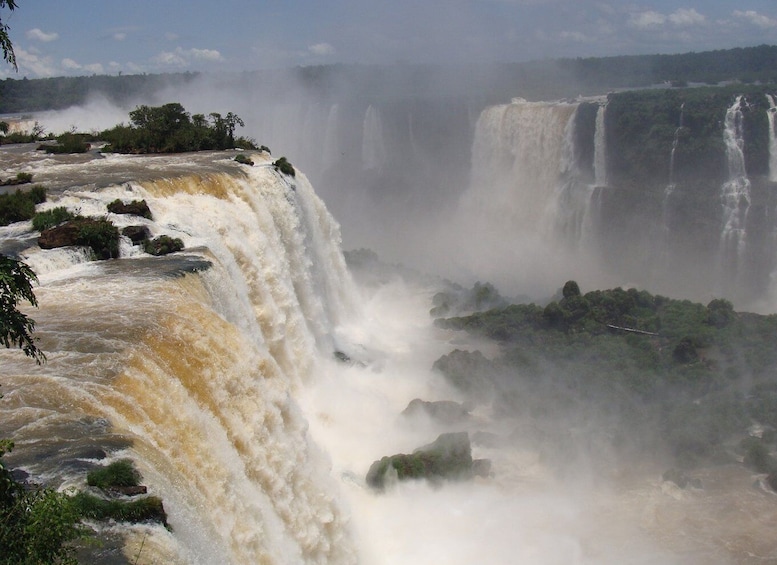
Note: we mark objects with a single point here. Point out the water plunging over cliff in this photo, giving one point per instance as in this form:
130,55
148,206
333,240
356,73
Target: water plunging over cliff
734,194
528,206
190,364
600,147
373,145
772,138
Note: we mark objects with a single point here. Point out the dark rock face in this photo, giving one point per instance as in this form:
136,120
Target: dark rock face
444,411
449,457
98,234
60,236
134,208
136,234
128,490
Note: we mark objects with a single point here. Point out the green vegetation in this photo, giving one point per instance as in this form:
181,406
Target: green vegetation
171,129
146,509
284,166
50,218
120,473
532,80
99,235
163,245
16,280
244,159
69,142
21,178
456,300
38,525
135,208
632,362
19,206
448,457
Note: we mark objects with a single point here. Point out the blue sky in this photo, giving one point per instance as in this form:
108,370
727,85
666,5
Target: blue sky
83,37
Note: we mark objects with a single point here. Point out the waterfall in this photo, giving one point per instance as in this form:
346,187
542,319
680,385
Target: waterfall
528,205
735,192
675,142
670,188
373,148
600,147
772,138
190,364
331,149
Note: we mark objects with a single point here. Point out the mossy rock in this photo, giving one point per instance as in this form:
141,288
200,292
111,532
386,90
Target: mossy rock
163,245
134,208
244,159
449,457
121,473
100,235
146,509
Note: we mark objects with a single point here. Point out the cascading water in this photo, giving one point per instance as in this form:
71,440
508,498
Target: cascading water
772,138
527,200
734,194
189,364
213,370
600,147
373,148
331,149
670,188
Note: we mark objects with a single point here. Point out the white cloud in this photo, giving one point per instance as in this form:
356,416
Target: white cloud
95,68
205,54
182,57
169,59
37,34
759,20
120,36
322,49
70,64
646,20
38,66
687,17
682,17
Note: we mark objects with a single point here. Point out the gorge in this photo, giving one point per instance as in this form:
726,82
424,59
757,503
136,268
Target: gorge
255,376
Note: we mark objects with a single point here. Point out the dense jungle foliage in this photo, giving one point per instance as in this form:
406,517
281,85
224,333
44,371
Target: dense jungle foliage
531,80
625,362
171,129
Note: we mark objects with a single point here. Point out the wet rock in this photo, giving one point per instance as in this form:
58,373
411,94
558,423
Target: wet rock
444,411
449,457
134,208
136,234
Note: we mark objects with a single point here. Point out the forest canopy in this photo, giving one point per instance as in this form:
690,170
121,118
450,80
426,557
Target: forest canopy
171,129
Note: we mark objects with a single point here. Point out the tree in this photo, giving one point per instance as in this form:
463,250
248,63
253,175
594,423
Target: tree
16,280
5,41
36,525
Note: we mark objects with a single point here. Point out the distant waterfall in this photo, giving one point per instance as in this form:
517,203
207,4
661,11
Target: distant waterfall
675,142
331,149
735,192
670,188
373,147
772,138
528,204
600,148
